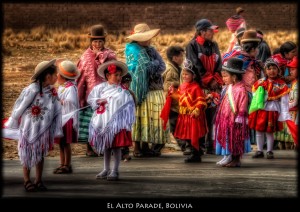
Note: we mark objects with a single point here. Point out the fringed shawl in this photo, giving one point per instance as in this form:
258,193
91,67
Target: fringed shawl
138,63
115,113
232,117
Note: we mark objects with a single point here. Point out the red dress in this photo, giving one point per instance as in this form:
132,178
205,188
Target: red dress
191,97
263,120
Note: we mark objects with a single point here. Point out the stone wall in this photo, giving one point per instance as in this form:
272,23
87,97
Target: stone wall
169,16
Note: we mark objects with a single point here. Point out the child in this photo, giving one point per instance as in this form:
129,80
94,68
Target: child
114,114
231,127
276,108
171,77
37,114
191,123
67,93
126,80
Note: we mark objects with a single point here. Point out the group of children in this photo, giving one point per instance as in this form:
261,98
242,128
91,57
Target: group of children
45,116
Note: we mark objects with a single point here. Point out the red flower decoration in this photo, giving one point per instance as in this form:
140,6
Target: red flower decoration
53,92
35,110
112,69
101,108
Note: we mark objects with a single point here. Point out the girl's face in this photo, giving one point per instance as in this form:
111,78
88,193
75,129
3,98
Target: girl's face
293,73
50,79
97,44
60,79
272,71
227,78
187,76
145,43
291,54
114,78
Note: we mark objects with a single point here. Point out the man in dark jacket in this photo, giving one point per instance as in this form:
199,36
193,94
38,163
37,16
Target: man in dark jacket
264,51
207,64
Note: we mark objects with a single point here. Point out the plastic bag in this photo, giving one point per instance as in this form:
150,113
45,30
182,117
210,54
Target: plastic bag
258,100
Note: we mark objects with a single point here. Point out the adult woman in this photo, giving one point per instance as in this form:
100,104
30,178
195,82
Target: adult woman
92,58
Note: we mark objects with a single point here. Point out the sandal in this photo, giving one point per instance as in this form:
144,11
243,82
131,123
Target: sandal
91,154
29,186
58,168
40,186
65,170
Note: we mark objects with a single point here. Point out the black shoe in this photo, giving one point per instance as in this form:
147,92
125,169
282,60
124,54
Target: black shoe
193,159
258,154
270,155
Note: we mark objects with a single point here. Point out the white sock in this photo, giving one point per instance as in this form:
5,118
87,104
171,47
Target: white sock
227,160
260,140
107,156
224,158
117,159
270,141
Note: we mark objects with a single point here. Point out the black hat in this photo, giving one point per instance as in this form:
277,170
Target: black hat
204,24
97,31
234,65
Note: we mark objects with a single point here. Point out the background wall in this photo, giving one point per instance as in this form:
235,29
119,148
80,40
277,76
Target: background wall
170,17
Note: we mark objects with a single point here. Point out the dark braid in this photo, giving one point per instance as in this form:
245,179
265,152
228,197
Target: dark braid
41,78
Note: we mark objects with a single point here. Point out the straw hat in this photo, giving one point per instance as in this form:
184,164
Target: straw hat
142,32
97,31
250,36
42,66
68,70
117,63
234,65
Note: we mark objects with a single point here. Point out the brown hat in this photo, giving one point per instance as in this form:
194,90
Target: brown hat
42,66
142,32
68,70
117,63
239,10
250,35
97,31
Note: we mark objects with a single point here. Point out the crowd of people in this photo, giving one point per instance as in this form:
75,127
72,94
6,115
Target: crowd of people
212,103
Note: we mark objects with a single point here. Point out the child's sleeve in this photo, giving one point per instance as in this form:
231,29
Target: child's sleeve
71,102
22,103
284,108
94,96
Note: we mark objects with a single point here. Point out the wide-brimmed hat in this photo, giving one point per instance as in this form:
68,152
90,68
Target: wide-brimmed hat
204,24
97,31
68,69
250,36
239,10
106,65
142,32
271,61
234,65
293,63
41,67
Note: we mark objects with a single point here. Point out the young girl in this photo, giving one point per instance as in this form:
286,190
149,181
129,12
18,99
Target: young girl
114,114
37,114
191,123
276,108
232,116
67,93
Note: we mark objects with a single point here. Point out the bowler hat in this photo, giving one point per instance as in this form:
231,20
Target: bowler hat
239,10
250,36
234,65
97,31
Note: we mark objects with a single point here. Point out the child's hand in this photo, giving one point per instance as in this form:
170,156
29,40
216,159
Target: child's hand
171,89
195,113
62,102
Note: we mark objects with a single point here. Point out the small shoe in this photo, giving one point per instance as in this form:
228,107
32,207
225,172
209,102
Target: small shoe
102,175
113,176
226,161
29,186
40,186
270,155
219,162
233,164
187,151
193,159
258,154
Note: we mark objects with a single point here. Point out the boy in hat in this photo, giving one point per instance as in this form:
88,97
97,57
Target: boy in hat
92,58
205,56
68,95
231,128
37,115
